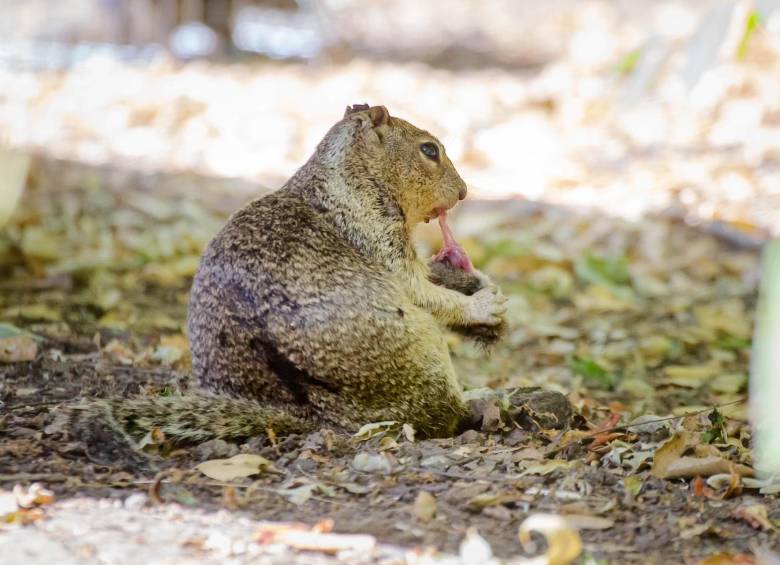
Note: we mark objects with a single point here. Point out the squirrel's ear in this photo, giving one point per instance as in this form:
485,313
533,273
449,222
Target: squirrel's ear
355,108
379,115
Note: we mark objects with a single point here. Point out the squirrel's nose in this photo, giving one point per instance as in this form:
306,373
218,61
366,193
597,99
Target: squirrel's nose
462,193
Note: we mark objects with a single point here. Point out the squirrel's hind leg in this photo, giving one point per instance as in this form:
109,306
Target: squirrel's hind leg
427,392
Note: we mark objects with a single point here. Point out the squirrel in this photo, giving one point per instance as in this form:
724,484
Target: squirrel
311,306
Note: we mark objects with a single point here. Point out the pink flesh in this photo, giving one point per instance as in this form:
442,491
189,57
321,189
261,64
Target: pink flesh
452,253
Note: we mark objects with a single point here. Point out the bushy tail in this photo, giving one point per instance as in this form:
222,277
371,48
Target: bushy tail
190,418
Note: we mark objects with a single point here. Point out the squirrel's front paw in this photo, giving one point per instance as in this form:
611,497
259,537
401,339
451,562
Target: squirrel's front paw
487,306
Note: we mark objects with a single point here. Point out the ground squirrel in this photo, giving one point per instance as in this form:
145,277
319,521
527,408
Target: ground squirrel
312,308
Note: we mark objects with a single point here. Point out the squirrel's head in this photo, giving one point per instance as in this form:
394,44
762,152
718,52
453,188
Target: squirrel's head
410,162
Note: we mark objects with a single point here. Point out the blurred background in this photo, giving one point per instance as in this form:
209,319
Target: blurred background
582,102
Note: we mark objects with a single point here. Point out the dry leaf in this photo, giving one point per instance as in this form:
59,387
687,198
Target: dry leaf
588,522
238,466
669,452
301,494
35,495
668,463
22,517
117,352
22,507
686,467
547,467
17,349
367,431
372,463
484,500
728,316
730,484
171,349
388,443
699,488
689,376
35,312
425,506
728,559
563,542
756,516
695,530
633,484
355,488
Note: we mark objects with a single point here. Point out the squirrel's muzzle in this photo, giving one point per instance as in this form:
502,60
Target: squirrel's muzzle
462,193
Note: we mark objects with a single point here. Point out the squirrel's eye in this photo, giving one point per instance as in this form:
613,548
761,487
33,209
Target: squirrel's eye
430,150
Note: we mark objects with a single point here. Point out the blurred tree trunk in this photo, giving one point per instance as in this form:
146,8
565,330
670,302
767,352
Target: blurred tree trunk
765,369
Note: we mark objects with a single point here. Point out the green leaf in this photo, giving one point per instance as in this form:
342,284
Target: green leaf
675,350
734,343
9,330
506,248
718,430
709,436
752,22
596,269
629,62
593,374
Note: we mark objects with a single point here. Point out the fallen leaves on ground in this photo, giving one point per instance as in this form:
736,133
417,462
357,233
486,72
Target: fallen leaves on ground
669,462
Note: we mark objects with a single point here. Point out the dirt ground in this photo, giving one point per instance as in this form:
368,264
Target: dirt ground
632,320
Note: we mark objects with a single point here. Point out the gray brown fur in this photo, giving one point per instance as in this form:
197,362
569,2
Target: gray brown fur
310,307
